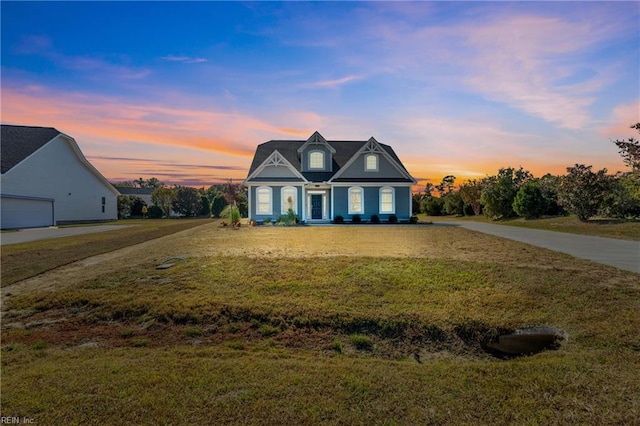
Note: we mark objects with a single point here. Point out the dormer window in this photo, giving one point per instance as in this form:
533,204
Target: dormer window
316,160
371,163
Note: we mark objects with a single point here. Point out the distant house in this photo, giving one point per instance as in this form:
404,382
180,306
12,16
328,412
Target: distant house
143,193
46,180
320,180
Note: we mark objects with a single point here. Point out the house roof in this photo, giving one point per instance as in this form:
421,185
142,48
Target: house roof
19,142
125,190
344,151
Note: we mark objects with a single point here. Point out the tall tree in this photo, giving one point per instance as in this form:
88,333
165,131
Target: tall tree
630,151
162,197
549,185
446,185
151,183
499,191
186,201
582,192
470,193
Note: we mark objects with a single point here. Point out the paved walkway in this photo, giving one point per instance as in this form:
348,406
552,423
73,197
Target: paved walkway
35,234
622,254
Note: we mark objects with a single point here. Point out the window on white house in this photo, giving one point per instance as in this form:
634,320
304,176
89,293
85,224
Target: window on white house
289,199
356,200
371,163
387,200
316,160
264,200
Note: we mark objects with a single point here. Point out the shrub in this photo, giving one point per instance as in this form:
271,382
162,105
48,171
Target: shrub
154,212
288,219
356,218
393,219
413,219
361,341
267,221
433,206
338,219
375,219
232,213
529,201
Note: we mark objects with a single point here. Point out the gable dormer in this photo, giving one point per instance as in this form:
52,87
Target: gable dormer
372,162
316,155
275,167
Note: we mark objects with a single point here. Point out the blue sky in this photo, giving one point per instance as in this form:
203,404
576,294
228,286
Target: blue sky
185,91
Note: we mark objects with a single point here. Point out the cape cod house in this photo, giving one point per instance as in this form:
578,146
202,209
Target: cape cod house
320,180
46,180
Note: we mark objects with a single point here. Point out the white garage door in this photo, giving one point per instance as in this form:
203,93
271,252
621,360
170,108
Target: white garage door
20,212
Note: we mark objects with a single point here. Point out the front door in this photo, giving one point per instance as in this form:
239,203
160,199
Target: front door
316,206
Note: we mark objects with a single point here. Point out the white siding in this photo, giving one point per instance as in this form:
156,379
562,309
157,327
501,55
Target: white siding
55,171
25,213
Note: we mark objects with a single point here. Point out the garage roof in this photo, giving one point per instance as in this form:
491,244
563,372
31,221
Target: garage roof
19,142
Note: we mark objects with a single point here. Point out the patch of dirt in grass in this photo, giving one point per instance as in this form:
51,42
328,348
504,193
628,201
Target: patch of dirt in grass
74,333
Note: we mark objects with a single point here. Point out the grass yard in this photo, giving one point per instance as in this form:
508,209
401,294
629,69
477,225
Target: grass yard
599,227
320,325
21,261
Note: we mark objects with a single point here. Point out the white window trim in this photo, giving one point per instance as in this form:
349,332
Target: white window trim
283,209
355,188
258,212
366,163
323,160
393,200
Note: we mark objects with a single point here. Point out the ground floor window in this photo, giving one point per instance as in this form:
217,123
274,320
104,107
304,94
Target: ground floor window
387,200
356,200
264,200
289,199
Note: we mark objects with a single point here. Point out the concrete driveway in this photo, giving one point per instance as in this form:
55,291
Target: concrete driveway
35,234
622,254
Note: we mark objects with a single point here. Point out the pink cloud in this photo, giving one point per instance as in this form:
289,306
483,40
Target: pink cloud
622,117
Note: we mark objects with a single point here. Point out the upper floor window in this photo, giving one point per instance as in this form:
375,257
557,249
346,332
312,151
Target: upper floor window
371,163
316,160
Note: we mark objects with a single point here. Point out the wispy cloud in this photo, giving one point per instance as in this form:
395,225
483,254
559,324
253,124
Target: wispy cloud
164,163
92,66
183,59
336,82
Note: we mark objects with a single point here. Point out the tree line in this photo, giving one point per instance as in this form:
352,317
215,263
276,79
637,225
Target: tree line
181,200
516,192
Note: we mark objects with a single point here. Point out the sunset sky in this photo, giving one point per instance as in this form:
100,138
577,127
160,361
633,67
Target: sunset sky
185,91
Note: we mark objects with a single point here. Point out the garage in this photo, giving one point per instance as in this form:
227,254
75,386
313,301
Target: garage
26,212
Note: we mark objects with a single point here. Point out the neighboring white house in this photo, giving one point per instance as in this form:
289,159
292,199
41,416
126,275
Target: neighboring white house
46,180
143,193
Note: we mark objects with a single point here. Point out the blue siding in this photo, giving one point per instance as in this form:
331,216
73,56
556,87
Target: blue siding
276,203
356,170
372,203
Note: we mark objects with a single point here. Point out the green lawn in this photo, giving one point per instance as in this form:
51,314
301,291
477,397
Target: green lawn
49,254
600,227
300,338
